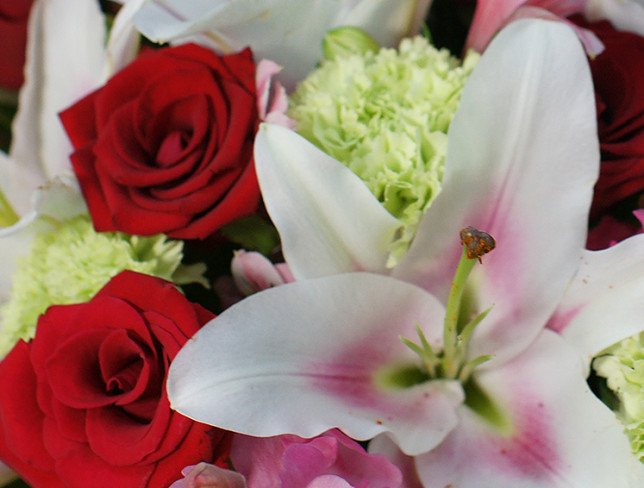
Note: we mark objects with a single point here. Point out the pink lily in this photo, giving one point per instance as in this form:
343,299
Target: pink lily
325,352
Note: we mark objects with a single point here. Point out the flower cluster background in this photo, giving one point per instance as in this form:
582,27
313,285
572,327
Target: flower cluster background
322,243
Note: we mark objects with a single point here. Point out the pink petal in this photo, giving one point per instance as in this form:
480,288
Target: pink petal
559,434
308,356
524,130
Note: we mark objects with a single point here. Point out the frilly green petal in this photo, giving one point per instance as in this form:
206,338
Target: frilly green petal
385,115
69,262
623,367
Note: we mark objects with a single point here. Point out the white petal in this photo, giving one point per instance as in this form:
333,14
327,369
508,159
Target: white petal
287,32
17,182
522,160
625,15
303,357
328,220
64,61
604,304
57,200
123,43
562,436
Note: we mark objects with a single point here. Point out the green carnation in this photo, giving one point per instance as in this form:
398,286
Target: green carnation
623,367
71,262
385,116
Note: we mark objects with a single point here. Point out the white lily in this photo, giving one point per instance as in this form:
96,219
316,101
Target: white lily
289,32
66,58
324,351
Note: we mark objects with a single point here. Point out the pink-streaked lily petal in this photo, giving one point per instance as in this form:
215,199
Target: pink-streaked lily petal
286,31
625,15
591,42
59,70
308,356
604,303
524,130
328,220
560,434
491,16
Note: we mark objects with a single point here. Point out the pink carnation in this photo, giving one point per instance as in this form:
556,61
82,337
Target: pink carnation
330,460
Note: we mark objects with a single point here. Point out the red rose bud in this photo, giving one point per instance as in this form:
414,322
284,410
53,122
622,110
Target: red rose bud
14,15
167,144
618,75
84,403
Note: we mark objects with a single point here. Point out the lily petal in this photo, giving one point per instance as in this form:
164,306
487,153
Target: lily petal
328,220
625,15
492,15
14,179
59,70
287,32
561,435
58,199
604,304
124,39
308,356
525,130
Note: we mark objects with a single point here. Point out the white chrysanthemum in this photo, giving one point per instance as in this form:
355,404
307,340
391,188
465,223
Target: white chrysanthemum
385,116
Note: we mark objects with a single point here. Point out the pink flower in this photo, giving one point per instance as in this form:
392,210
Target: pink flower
491,16
204,475
331,460
253,272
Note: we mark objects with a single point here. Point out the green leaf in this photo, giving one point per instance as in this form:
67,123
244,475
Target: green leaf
253,233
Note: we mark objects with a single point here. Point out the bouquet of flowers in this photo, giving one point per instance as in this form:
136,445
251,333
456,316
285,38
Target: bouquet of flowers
322,243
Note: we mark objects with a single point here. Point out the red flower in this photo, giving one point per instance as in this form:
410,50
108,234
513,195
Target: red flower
618,74
166,145
14,15
84,403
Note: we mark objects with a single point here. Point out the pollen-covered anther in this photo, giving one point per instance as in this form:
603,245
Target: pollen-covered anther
476,242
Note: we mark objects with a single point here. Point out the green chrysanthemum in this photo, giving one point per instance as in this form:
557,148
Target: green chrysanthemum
623,367
71,262
385,116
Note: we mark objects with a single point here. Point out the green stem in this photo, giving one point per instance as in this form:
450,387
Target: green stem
450,327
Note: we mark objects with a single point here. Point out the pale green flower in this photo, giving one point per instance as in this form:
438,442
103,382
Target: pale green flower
623,367
385,116
69,262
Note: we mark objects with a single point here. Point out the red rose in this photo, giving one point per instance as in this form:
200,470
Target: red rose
166,145
618,75
14,15
84,403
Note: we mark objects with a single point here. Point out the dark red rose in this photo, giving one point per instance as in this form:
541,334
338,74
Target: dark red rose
167,144
84,403
618,75
14,15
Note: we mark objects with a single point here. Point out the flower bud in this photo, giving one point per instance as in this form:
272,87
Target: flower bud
345,41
